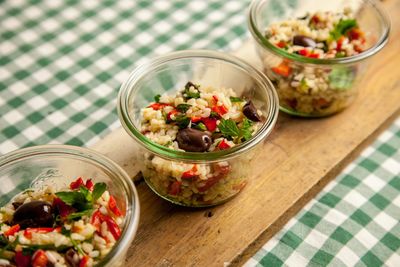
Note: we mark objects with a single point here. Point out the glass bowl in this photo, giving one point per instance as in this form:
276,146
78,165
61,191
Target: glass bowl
228,169
58,166
335,79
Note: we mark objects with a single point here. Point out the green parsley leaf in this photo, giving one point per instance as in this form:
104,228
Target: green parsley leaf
157,98
235,99
188,93
246,131
182,121
228,128
183,107
86,193
72,197
78,215
200,126
98,190
214,114
342,28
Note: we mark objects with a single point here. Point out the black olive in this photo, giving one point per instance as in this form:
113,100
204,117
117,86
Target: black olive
304,41
71,259
34,214
250,111
193,140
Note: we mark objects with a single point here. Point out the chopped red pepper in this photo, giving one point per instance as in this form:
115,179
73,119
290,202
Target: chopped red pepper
281,44
175,188
172,112
313,55
315,19
112,204
190,173
157,106
215,99
22,260
76,184
221,110
303,52
112,227
223,145
282,69
89,184
96,220
356,34
13,229
63,209
39,259
210,123
339,43
196,119
84,261
28,231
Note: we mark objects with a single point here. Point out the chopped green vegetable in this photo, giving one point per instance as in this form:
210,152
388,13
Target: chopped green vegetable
246,131
71,197
235,99
342,28
340,54
157,98
200,126
98,190
182,121
86,193
190,94
78,215
228,128
341,78
214,114
183,107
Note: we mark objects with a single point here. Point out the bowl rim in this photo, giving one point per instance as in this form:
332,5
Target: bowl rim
131,221
265,44
129,86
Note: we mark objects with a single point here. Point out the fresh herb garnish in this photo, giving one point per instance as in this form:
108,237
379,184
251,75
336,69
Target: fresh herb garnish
235,99
157,98
98,190
188,93
200,126
183,107
214,114
182,121
230,130
342,28
77,215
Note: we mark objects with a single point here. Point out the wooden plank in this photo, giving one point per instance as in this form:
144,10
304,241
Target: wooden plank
299,157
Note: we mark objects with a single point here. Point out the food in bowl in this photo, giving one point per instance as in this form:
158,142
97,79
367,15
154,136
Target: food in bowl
320,35
197,119
74,226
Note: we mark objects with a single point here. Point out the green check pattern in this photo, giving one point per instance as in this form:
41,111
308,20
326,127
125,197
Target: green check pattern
62,62
354,221
61,65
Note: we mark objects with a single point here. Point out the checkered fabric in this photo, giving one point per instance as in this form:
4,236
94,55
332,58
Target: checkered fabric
62,62
354,221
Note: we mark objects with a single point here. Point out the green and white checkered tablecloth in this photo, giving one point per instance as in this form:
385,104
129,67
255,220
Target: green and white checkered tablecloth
61,65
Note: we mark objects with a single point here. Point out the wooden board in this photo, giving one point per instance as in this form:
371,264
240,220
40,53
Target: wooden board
298,159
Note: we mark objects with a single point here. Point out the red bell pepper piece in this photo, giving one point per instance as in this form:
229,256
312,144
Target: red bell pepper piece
89,184
22,260
84,261
13,229
76,184
282,69
157,106
303,52
210,123
28,231
195,119
215,99
175,188
172,112
63,209
313,55
223,145
96,220
190,173
221,110
112,227
281,44
39,259
339,43
112,204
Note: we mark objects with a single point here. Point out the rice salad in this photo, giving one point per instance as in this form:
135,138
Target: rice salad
198,119
321,35
74,226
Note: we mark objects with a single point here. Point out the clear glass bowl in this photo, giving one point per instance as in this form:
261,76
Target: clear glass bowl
339,76
228,169
59,165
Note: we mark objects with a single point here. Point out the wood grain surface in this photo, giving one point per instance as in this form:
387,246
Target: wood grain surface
298,159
